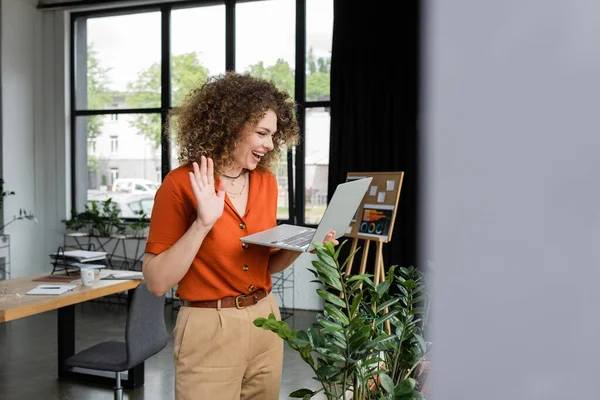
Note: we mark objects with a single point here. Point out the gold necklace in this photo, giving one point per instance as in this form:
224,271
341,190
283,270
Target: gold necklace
234,178
234,195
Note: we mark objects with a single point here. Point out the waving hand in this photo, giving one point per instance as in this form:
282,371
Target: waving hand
209,202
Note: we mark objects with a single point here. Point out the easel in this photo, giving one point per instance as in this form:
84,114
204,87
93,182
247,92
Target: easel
374,220
379,270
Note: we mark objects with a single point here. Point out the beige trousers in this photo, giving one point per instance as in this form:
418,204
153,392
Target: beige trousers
221,355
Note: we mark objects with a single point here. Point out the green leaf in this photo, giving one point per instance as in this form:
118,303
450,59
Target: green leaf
386,317
259,321
316,338
326,258
418,310
327,370
383,338
383,288
329,325
284,331
297,394
303,339
360,277
329,276
336,314
271,325
369,284
330,355
356,303
402,290
386,382
337,252
418,299
338,339
386,304
359,338
333,282
306,356
324,268
421,342
390,274
405,386
332,298
330,248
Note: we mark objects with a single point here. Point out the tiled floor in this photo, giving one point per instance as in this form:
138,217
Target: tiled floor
28,357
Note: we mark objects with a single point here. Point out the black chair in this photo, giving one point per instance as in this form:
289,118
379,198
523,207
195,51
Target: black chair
145,335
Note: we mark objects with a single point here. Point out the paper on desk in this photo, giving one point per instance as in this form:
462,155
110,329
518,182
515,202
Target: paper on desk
88,266
51,289
125,275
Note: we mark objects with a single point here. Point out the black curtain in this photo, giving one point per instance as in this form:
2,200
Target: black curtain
374,107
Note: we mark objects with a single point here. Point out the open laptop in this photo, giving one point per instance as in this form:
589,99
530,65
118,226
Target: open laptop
338,215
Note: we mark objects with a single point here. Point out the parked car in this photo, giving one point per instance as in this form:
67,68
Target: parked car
132,185
128,203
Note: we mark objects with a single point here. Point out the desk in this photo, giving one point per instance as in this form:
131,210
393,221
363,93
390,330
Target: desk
13,308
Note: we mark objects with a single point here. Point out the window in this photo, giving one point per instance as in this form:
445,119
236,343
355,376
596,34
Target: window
123,94
197,47
114,144
319,36
114,175
316,163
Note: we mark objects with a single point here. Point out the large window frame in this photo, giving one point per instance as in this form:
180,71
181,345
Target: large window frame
78,87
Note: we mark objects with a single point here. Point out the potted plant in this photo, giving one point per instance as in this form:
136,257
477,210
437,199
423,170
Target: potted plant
351,352
101,221
140,225
22,213
5,238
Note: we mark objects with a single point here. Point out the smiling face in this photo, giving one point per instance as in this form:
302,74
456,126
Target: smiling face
254,143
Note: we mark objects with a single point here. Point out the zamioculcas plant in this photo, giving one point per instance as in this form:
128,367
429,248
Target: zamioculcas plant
351,351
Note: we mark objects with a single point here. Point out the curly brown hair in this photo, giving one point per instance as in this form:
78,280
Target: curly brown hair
213,116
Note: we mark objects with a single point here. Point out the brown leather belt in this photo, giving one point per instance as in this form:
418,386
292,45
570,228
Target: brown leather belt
239,302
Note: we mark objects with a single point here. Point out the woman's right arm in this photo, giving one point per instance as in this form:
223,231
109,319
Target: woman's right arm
163,271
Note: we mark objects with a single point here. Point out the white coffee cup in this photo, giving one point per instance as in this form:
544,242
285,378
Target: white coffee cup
87,276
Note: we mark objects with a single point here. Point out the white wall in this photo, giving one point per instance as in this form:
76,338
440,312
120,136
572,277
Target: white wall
20,30
33,124
304,295
511,135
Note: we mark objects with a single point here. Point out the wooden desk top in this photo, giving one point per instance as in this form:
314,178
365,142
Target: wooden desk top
12,307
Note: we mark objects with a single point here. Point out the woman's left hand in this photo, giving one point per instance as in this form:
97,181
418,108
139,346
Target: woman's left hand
331,238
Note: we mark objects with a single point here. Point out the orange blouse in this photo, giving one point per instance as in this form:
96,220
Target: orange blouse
223,266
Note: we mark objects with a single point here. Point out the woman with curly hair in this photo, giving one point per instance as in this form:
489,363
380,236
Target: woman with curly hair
230,133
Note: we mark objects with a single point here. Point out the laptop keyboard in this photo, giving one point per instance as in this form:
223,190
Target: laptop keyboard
300,239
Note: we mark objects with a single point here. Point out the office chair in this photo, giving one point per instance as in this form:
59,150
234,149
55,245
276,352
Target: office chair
145,335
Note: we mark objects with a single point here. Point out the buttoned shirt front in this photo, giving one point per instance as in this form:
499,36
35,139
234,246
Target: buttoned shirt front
223,266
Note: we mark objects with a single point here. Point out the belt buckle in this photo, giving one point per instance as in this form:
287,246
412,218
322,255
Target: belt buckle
237,301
